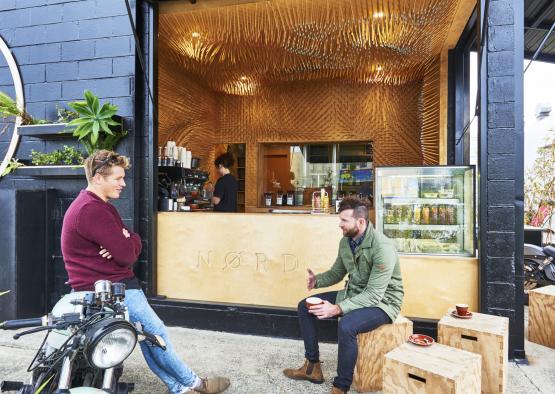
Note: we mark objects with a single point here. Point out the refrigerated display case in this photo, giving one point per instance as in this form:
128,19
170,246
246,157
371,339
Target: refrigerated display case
427,210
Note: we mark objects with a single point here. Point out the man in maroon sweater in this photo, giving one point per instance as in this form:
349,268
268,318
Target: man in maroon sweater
97,245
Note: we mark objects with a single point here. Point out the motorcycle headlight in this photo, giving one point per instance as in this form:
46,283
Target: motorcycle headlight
110,342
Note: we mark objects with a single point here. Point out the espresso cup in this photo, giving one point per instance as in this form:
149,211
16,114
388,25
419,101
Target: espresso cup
313,301
462,309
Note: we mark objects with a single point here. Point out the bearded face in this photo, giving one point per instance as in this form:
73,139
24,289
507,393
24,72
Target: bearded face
348,224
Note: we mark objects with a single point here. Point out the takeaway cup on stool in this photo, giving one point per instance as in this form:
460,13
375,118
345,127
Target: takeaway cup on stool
313,301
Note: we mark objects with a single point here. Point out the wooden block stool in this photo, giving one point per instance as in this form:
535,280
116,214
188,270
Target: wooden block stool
483,334
372,346
541,316
435,369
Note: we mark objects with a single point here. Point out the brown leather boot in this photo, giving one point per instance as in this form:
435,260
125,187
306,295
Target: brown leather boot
212,385
336,390
309,371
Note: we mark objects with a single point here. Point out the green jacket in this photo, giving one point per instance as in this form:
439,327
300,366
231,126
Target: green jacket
374,275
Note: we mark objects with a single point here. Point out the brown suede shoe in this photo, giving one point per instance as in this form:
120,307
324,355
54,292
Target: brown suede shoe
309,371
336,390
212,385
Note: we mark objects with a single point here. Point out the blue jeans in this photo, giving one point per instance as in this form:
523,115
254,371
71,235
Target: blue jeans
165,364
349,326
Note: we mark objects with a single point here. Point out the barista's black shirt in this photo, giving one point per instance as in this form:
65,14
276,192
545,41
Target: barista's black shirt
226,189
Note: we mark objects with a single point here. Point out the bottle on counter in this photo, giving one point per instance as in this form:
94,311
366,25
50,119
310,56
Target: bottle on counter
279,198
434,214
340,197
451,215
416,214
325,199
442,215
425,215
290,197
268,199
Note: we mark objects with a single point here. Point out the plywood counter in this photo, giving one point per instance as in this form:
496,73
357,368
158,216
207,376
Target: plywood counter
261,259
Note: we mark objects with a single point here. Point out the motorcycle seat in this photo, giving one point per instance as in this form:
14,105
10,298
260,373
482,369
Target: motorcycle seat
549,250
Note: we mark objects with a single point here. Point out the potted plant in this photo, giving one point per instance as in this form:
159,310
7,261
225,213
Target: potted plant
96,127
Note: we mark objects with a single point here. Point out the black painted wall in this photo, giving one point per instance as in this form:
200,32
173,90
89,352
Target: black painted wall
501,167
63,47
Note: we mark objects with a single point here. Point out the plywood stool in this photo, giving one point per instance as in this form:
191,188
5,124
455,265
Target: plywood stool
541,318
436,369
372,346
487,335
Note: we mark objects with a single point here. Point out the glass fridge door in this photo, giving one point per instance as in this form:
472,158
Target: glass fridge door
427,210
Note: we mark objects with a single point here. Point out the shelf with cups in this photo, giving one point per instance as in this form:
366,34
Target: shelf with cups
417,200
175,172
422,227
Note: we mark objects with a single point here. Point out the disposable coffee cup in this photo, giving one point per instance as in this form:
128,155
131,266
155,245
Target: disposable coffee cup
462,309
313,301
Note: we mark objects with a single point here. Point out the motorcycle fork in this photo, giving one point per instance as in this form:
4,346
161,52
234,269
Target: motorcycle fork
107,380
545,263
64,382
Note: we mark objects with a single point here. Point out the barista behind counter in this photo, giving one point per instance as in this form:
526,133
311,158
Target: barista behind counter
225,191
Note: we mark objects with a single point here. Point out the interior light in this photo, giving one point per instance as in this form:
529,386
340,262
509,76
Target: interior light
243,78
379,68
378,14
195,34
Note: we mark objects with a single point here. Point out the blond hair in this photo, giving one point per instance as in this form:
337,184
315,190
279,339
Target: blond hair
102,161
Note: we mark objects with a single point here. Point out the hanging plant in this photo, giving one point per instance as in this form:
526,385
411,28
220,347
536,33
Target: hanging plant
96,127
13,164
8,108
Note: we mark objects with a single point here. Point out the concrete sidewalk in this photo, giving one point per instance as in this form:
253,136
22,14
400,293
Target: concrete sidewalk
255,364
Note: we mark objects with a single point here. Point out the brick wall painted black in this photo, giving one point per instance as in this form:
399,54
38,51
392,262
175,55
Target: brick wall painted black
501,207
63,47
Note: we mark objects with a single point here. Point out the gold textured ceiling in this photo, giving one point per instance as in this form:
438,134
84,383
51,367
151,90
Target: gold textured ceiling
237,49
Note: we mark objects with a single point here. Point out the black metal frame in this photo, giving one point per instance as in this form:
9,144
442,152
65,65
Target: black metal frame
458,112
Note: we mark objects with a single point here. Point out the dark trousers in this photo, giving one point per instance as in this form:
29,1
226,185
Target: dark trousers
351,324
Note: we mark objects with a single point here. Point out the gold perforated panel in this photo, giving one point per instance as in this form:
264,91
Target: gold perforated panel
304,71
430,113
239,49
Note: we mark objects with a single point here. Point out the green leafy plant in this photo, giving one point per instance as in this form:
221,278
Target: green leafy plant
65,115
8,108
13,164
539,187
4,292
68,155
93,125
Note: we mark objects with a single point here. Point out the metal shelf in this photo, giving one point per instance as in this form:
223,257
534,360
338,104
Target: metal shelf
416,200
68,171
422,227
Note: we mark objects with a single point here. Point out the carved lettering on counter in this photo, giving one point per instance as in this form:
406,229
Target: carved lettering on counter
232,260
203,258
261,262
293,262
287,263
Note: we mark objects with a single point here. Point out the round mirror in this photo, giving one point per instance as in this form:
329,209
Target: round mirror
8,144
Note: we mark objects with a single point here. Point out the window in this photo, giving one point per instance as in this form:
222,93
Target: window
342,168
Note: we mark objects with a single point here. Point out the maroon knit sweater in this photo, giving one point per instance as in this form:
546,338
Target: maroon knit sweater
88,223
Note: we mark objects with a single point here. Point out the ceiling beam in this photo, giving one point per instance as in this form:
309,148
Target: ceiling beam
542,57
542,13
541,26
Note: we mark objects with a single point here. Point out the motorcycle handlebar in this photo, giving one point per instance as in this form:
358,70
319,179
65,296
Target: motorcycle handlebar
21,323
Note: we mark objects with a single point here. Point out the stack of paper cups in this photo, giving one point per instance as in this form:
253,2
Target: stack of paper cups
189,157
183,156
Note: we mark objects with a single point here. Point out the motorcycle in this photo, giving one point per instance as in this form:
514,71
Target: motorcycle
539,267
88,338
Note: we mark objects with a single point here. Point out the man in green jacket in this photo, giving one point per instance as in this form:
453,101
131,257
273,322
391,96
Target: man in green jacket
372,296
